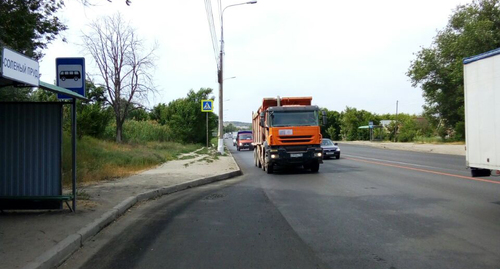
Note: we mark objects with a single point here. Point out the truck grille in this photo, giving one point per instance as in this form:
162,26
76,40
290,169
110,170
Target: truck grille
295,148
295,139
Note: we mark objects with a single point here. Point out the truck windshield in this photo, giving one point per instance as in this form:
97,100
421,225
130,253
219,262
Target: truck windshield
245,137
294,118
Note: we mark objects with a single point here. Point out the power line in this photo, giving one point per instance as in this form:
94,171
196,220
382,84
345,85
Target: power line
211,26
220,10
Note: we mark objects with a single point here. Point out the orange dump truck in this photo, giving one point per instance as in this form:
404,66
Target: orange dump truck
286,132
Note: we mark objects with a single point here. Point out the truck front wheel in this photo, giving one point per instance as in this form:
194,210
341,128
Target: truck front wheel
269,168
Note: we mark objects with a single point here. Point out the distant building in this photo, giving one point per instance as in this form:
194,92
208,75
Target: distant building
386,123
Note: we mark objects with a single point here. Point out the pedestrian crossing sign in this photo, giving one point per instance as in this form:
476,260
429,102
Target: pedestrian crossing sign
207,105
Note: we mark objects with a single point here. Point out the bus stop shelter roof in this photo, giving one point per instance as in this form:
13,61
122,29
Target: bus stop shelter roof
368,127
60,90
45,86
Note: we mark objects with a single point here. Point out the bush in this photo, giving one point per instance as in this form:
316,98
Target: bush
426,139
92,119
460,131
408,130
140,132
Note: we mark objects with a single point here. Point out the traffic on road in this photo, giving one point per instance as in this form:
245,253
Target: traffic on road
372,208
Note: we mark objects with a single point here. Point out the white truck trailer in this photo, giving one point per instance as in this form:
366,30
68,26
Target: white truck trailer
482,113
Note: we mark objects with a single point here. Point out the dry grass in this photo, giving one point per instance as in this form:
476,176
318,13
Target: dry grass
99,160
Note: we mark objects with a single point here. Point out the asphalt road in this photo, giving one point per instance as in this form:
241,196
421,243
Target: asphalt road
373,208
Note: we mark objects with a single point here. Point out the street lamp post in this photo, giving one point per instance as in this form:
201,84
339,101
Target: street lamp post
220,146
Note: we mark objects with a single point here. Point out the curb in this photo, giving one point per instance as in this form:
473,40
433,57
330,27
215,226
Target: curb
56,255
232,157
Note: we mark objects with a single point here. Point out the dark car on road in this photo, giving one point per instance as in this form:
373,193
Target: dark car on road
330,149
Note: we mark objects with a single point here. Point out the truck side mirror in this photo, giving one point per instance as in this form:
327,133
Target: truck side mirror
262,119
324,117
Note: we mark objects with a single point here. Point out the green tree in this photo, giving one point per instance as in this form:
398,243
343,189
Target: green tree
28,26
407,128
230,128
185,119
159,113
332,127
93,116
41,95
15,94
332,133
138,113
352,119
472,29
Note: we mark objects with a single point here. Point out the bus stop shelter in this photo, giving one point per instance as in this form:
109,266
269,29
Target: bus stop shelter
31,135
371,128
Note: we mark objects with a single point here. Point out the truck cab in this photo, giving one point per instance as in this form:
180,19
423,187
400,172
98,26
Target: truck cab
244,140
287,133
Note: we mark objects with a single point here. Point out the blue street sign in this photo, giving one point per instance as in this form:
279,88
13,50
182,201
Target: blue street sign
70,74
207,105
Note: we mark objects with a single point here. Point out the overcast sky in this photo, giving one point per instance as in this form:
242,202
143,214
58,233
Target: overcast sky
342,53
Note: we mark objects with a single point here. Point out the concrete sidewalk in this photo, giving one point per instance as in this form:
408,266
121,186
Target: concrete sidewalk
43,239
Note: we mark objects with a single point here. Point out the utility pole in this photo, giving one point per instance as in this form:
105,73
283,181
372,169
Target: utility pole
220,147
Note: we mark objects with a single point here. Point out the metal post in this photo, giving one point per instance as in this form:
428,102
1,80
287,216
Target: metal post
207,127
73,145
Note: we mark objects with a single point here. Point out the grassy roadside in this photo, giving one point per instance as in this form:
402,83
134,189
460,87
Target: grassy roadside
99,160
214,141
436,140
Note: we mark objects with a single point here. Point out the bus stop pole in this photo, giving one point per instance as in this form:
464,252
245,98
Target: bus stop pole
73,146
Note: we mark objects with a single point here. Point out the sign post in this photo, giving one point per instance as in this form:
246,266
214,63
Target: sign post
370,123
70,74
207,106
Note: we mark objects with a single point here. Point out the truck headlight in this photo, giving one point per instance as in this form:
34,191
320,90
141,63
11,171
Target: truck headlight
319,154
274,156
241,144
